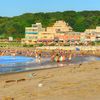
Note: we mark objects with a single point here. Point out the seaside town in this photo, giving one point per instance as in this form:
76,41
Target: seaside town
30,69
49,50
60,33
59,67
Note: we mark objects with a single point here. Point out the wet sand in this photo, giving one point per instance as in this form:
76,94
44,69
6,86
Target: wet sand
73,82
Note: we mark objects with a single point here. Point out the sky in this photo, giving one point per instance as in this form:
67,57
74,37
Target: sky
12,8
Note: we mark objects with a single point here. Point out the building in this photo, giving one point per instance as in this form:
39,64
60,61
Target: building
97,30
90,30
32,33
93,34
45,37
36,33
59,32
69,36
59,27
98,37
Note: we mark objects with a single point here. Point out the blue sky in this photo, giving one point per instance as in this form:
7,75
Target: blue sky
18,7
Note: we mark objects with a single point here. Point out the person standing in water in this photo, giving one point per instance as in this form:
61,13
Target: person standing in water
70,57
57,59
36,56
39,58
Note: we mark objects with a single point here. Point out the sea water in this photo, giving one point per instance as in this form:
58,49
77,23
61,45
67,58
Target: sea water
9,64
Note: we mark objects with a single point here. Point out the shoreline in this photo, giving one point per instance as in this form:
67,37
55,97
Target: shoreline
73,82
44,69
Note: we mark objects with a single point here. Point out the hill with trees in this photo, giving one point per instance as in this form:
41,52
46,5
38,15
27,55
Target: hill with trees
79,21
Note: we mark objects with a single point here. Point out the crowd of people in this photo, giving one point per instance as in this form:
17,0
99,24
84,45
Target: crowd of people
57,55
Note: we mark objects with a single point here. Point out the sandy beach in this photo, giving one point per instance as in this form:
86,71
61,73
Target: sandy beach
73,82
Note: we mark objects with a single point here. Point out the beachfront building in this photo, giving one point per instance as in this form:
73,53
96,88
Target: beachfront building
59,32
93,34
64,33
37,34
45,37
59,27
97,30
98,37
32,33
69,37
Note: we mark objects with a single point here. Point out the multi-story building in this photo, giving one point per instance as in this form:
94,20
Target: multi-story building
36,33
97,30
32,33
60,31
51,33
93,34
59,26
45,37
69,36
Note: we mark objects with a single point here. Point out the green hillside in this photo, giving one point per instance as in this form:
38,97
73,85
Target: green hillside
79,21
